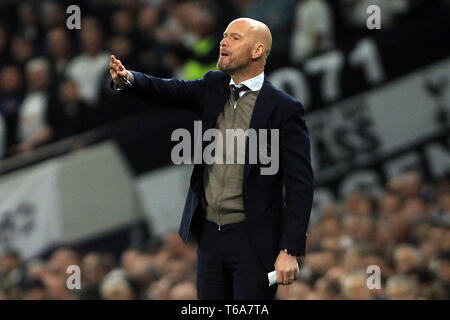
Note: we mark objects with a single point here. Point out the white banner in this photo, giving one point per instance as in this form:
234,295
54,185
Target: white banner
162,194
365,129
30,212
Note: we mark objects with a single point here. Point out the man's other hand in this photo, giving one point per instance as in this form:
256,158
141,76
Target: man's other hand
287,268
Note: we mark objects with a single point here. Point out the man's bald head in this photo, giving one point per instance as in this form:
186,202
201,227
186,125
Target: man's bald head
258,30
245,46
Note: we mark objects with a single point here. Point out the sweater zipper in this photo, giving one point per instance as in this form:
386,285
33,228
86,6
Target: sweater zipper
220,223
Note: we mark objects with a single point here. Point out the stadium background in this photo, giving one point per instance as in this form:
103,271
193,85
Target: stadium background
86,176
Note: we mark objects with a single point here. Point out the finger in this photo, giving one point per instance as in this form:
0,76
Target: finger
114,62
290,276
285,278
121,68
279,277
123,74
114,75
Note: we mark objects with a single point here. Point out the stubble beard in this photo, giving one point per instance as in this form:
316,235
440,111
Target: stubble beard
230,70
225,68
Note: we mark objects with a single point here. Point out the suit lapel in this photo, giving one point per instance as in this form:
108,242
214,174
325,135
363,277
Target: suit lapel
264,105
220,98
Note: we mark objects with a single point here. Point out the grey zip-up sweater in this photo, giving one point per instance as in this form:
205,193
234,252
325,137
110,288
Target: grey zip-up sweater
223,182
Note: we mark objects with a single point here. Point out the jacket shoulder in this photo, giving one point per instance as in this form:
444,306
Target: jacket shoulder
288,102
212,76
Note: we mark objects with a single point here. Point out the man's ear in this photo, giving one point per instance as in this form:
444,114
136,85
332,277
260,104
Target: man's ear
258,52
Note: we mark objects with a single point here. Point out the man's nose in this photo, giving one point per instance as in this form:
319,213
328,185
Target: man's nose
224,42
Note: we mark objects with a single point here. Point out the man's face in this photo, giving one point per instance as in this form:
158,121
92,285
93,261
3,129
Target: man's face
235,47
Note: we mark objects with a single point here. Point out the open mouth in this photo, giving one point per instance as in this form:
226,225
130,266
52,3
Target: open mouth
224,54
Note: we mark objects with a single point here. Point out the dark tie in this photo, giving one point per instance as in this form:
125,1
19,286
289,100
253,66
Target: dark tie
236,91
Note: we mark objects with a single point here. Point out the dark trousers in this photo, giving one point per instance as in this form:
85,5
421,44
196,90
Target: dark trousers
228,267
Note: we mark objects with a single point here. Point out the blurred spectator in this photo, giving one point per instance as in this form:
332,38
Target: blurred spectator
358,204
11,273
443,270
94,268
406,258
399,287
198,24
11,96
389,204
159,290
359,229
441,214
146,25
3,137
4,45
354,286
298,291
61,259
34,290
67,113
28,21
184,291
59,50
122,23
328,289
31,127
313,29
53,14
116,287
89,68
22,50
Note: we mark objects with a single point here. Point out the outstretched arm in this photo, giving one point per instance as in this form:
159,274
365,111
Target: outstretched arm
171,92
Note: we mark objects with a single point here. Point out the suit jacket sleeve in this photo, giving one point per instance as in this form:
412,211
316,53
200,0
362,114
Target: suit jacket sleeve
297,180
173,93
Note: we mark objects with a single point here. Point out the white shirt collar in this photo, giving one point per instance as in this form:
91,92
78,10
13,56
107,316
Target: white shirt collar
254,84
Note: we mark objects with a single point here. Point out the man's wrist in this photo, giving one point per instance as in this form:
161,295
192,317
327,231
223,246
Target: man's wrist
124,83
291,253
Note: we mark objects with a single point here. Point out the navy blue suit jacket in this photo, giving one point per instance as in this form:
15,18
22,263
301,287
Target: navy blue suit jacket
277,207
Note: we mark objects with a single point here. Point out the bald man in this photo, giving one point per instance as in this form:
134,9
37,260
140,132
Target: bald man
247,219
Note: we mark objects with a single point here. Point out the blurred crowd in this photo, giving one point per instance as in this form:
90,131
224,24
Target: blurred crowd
404,233
54,82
